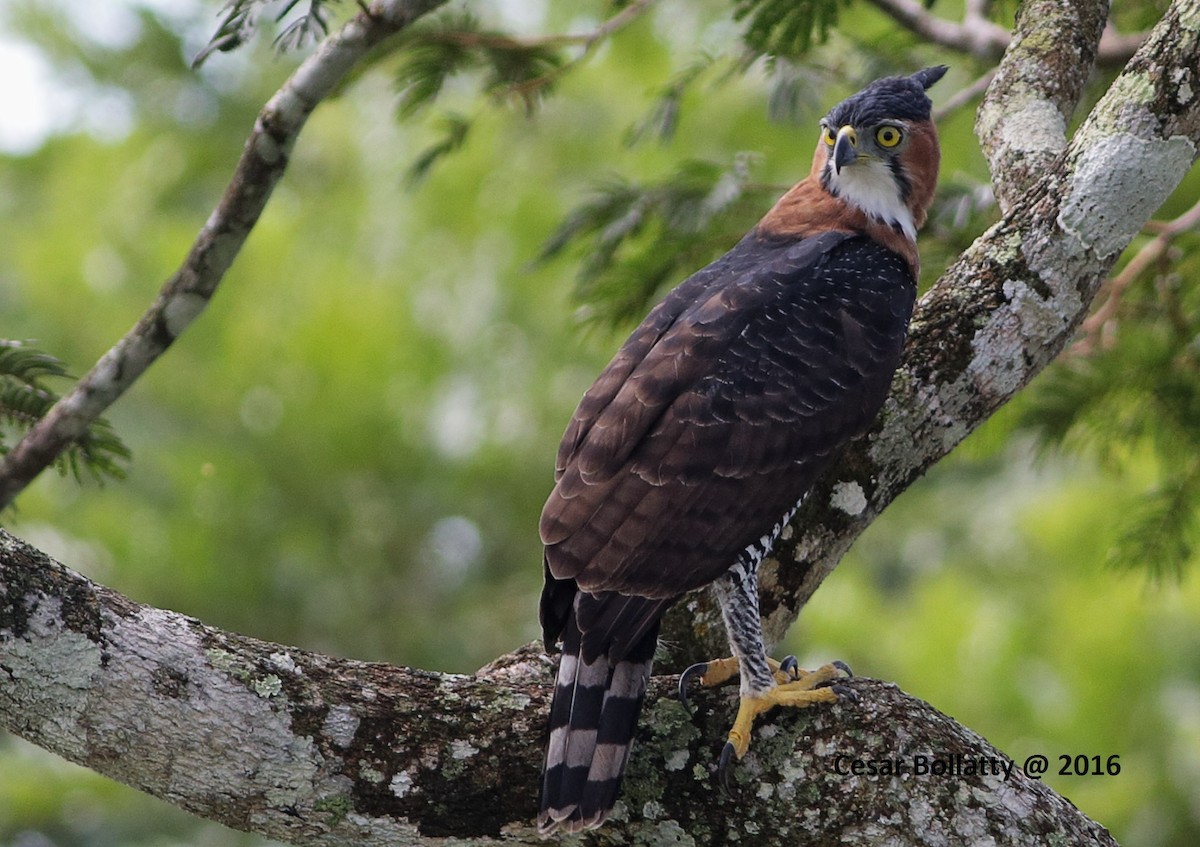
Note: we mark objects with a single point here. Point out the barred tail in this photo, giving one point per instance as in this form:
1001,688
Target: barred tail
593,718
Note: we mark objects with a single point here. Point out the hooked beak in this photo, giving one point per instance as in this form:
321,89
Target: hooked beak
844,151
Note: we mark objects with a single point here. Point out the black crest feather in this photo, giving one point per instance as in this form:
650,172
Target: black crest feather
894,97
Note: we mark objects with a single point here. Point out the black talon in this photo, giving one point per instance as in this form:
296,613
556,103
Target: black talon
723,767
685,679
790,666
845,692
846,674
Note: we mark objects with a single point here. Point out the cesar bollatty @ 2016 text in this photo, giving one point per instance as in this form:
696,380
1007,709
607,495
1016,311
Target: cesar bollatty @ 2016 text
958,765
920,764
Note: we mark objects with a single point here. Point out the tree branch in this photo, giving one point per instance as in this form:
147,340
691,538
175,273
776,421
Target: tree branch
630,13
979,37
186,294
963,96
589,41
1097,325
1022,122
315,750
264,159
975,35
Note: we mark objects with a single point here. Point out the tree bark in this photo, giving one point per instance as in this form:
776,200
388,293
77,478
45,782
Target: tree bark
315,750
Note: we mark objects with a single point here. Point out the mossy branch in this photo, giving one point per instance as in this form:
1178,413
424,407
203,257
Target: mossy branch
315,750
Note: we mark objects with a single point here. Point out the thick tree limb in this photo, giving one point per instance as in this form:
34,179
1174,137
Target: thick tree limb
186,294
321,751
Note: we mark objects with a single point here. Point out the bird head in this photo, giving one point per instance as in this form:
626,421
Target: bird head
879,150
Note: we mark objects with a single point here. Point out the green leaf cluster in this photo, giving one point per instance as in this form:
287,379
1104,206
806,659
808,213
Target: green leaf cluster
662,119
635,238
25,399
456,43
239,23
788,28
1131,398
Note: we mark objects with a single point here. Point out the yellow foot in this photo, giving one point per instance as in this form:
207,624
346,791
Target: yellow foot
794,687
718,671
814,687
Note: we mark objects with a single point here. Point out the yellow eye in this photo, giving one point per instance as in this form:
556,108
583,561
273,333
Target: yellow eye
888,136
828,136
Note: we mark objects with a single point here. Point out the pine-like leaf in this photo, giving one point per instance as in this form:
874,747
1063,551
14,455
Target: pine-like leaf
455,129
794,93
312,25
22,405
427,65
525,72
239,23
634,239
787,28
663,117
99,451
455,43
24,400
1134,404
26,365
1159,534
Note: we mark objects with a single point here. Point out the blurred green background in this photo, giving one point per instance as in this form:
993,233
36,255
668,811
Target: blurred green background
349,450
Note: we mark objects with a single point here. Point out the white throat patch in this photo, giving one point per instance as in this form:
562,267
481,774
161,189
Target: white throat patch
870,185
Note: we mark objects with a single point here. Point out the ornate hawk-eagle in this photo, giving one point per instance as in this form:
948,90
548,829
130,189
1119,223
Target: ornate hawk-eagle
697,443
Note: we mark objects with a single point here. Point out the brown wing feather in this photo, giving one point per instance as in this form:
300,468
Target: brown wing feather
658,360
721,409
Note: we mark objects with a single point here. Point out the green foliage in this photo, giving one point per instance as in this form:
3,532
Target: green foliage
663,118
795,92
1160,533
635,238
25,399
456,43
455,129
21,363
787,28
1133,401
239,23
311,25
